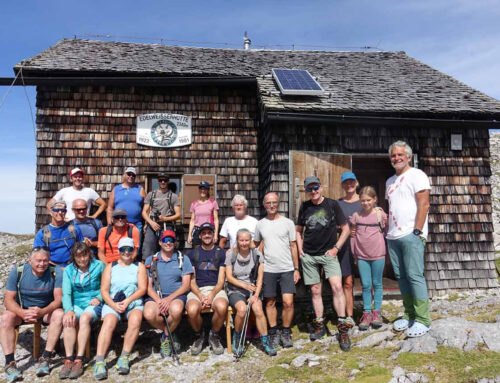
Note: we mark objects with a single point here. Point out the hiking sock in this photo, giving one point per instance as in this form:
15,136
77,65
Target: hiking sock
124,353
342,319
99,358
283,328
80,357
71,358
319,320
48,354
9,358
272,330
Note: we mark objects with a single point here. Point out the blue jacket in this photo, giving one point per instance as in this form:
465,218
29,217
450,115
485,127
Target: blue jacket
80,294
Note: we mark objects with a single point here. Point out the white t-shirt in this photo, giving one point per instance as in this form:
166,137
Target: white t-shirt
232,225
400,192
277,235
69,194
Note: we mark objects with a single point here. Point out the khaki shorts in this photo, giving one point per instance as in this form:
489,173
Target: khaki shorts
311,267
205,290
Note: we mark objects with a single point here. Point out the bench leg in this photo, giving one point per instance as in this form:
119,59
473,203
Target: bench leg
37,330
87,349
16,336
228,333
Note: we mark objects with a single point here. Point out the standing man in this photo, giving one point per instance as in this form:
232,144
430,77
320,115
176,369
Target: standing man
33,294
89,226
59,236
408,194
281,267
207,290
161,210
77,190
241,220
318,247
109,237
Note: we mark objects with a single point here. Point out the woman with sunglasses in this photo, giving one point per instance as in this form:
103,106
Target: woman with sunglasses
82,306
123,285
204,209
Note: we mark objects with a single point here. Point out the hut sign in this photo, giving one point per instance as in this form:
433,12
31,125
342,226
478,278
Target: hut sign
163,130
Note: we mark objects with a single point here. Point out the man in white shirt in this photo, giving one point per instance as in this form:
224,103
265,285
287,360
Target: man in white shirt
408,194
241,220
78,191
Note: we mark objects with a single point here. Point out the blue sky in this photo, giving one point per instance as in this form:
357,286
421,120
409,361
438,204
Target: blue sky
459,38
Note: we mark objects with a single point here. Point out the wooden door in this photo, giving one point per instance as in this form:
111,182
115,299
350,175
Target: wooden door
190,191
327,167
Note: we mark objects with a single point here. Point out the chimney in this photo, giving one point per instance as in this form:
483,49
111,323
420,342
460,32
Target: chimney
246,41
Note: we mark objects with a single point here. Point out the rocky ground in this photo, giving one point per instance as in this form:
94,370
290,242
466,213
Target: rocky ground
463,345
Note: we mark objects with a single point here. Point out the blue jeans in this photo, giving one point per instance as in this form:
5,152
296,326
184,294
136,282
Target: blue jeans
371,274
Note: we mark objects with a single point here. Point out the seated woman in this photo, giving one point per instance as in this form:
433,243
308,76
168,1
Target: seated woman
244,273
123,285
82,305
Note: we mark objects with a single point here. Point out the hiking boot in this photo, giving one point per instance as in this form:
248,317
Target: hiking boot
66,370
77,369
165,346
376,319
286,338
236,343
214,342
268,347
318,331
177,343
198,343
350,321
365,321
12,372
43,367
122,365
100,371
274,338
344,341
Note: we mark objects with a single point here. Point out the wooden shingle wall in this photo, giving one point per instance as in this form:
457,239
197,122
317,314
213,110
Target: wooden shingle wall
93,127
460,252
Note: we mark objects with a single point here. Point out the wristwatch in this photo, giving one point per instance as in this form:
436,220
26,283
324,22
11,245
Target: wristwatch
335,246
295,269
418,232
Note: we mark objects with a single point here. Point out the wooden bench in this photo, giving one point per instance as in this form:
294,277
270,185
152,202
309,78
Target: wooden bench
37,330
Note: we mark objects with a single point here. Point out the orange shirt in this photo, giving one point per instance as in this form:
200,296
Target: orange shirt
112,254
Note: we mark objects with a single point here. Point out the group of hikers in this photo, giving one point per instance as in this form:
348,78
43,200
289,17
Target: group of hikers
79,271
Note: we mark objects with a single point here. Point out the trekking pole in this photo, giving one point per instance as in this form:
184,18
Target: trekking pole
241,344
157,287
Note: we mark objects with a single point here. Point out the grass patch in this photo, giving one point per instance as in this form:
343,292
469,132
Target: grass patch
391,312
22,251
374,374
450,364
453,297
487,317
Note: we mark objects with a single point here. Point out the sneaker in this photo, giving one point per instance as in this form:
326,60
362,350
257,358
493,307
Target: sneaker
268,347
100,371
286,338
318,331
43,367
122,365
177,343
215,344
344,341
77,369
13,374
236,342
198,343
165,346
376,319
66,370
401,324
365,321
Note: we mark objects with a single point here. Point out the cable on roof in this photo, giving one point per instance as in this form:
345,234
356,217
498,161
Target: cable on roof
29,103
4,98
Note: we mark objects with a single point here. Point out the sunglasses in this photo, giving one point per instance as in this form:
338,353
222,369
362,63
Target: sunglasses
56,210
38,248
80,209
126,249
168,240
120,217
311,188
131,174
163,180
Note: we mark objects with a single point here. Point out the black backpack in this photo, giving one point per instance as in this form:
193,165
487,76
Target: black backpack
219,256
109,229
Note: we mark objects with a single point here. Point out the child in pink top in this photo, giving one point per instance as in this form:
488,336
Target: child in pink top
204,209
368,247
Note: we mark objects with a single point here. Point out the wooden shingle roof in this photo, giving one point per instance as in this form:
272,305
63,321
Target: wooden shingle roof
355,82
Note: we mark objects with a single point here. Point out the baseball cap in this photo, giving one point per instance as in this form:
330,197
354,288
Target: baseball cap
207,225
58,203
163,176
75,171
130,169
126,242
311,180
167,233
204,184
117,212
347,176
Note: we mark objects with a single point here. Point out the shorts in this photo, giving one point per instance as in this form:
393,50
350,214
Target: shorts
237,296
181,297
346,260
108,310
271,281
311,268
96,311
205,290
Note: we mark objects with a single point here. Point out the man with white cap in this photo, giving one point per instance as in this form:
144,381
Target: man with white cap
59,236
78,191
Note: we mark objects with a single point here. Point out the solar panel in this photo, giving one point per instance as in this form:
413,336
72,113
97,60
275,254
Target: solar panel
297,82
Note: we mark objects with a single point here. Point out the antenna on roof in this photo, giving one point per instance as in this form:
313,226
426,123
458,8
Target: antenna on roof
246,41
